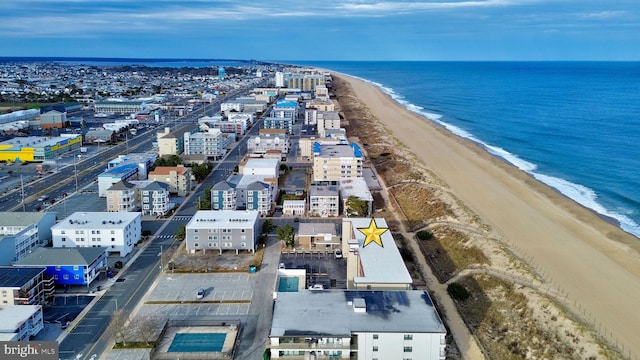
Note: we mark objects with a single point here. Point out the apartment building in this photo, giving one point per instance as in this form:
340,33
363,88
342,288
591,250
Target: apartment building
25,285
178,178
69,265
222,230
121,197
23,232
364,325
117,231
154,198
269,139
170,142
282,123
208,143
324,200
336,162
223,196
373,259
327,120
20,323
318,236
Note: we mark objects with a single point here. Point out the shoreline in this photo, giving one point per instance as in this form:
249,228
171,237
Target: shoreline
587,257
456,131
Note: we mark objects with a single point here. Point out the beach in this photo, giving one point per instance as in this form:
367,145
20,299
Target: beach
594,264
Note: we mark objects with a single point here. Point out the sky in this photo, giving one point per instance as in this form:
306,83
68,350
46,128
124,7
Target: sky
273,30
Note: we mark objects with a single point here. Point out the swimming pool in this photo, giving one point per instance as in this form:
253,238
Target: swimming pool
288,284
197,342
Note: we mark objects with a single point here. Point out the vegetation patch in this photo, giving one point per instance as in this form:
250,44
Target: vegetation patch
420,205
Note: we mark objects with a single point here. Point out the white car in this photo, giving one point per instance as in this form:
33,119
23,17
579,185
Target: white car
200,293
316,287
281,266
337,253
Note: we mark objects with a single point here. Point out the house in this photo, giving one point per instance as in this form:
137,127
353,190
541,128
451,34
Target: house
25,285
335,162
373,259
317,236
20,323
293,207
177,177
324,200
22,232
223,196
121,196
222,230
155,199
346,324
117,231
69,266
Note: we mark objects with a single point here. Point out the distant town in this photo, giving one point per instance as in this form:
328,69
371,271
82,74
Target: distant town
197,213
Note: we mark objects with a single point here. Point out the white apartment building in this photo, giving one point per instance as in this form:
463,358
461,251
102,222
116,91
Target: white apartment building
117,231
21,322
367,325
294,207
373,265
269,140
222,230
155,199
324,200
260,167
335,162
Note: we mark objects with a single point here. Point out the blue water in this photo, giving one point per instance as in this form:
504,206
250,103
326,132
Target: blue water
571,125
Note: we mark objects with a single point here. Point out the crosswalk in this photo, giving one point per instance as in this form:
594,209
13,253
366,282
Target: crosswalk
165,236
181,218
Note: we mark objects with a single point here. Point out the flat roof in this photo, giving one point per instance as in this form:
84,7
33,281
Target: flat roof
119,171
355,187
96,220
380,264
306,229
37,141
228,219
336,151
18,276
12,317
331,313
262,163
323,190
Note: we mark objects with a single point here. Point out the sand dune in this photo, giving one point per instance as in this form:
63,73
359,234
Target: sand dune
591,260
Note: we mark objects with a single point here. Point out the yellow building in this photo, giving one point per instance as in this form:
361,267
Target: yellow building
38,148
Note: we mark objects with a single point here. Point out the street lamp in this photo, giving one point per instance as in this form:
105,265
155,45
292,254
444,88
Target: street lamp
160,255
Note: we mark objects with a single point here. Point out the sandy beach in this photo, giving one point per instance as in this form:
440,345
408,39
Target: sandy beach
592,262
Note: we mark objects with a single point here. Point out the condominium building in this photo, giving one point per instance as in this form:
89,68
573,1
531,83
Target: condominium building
208,143
177,177
365,325
324,200
283,123
336,162
21,285
155,199
222,230
121,196
318,236
20,323
23,232
117,231
327,120
223,196
269,139
69,266
258,197
373,259
171,142
285,109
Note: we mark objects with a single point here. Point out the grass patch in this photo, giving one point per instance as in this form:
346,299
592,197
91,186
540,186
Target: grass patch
135,345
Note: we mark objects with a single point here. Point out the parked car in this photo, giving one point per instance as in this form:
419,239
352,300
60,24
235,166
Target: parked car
316,287
296,220
200,293
281,266
337,253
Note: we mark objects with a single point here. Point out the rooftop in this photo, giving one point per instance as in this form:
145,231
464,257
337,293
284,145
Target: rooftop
12,317
36,141
306,229
9,218
166,170
62,256
17,277
332,313
229,219
97,220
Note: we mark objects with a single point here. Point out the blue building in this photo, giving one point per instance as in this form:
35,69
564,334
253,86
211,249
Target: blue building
221,73
68,266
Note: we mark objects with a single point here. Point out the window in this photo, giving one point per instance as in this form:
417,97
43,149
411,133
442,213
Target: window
408,349
408,337
65,276
76,276
75,267
375,348
64,239
196,244
55,277
57,268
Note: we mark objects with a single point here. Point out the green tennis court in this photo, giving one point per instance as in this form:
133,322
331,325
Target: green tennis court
197,342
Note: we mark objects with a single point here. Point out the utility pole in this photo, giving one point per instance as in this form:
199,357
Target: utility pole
75,172
22,187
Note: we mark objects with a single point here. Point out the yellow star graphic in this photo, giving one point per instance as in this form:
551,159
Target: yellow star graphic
372,234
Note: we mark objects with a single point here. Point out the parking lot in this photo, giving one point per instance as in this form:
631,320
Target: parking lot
321,267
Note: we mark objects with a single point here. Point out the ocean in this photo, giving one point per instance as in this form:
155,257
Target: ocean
572,125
